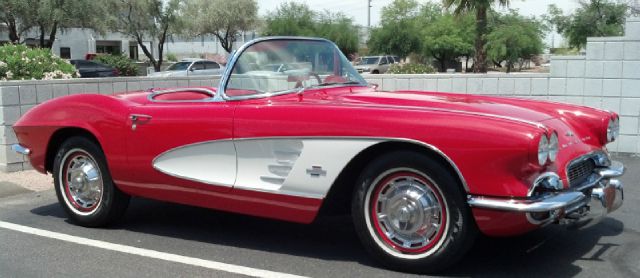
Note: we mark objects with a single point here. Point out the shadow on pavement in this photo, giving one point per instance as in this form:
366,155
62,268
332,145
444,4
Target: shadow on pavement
549,251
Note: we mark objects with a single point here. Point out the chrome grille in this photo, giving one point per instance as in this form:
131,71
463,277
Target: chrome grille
579,171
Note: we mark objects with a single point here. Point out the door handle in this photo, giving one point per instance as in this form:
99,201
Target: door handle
135,118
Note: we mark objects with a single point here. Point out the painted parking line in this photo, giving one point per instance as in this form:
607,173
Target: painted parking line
243,270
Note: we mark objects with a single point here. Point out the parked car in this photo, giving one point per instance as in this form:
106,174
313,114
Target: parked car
191,66
88,69
376,64
421,173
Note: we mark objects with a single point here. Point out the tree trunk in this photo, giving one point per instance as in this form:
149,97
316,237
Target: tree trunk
163,37
480,64
41,35
14,37
466,64
146,52
52,35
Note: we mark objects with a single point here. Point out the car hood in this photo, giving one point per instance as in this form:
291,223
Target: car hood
491,106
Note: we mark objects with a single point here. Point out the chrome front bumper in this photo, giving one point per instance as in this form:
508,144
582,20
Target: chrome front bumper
20,149
581,207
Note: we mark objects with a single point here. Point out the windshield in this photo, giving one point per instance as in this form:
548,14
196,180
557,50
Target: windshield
179,66
275,66
369,60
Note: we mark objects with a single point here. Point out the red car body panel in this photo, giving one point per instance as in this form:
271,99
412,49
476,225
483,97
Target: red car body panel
488,139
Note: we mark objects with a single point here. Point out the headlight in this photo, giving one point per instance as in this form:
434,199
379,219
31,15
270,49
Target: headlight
553,147
543,150
613,129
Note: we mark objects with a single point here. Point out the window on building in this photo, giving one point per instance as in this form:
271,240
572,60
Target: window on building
65,52
133,52
108,49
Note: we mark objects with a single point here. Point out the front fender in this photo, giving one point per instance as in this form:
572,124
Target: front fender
102,116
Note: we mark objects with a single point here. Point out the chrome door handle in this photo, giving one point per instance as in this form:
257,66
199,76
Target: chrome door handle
135,117
138,117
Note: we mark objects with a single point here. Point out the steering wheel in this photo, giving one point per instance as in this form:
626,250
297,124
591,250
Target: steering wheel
316,76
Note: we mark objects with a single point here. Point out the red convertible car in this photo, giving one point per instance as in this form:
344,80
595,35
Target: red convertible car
293,131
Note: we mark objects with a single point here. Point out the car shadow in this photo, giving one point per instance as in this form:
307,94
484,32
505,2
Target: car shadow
549,251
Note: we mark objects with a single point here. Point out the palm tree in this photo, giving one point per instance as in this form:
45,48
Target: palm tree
480,8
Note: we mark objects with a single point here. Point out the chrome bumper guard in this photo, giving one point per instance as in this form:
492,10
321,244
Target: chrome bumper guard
20,149
581,207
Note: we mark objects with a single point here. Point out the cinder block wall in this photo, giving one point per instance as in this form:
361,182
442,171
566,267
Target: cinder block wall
608,77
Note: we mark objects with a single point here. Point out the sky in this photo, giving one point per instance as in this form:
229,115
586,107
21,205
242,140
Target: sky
357,9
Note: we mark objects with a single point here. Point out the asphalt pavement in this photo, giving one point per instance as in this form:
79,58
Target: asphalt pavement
157,239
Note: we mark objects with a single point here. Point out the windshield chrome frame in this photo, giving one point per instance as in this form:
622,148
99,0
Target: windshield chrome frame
221,95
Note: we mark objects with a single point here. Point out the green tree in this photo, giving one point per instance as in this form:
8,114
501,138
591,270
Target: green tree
225,19
295,19
594,18
48,17
142,19
399,33
340,29
10,15
480,8
290,19
514,40
445,40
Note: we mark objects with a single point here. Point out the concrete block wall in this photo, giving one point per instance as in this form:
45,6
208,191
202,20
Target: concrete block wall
17,97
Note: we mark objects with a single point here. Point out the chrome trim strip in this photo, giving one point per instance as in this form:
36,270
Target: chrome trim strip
554,202
20,149
383,139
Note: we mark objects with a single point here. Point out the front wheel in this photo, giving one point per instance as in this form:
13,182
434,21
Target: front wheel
84,186
410,213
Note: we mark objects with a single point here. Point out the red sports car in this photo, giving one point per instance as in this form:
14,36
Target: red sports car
293,130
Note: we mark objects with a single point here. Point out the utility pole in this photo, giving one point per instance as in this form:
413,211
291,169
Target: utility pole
368,15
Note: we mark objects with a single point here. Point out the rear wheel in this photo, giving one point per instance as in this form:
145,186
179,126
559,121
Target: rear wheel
410,213
84,186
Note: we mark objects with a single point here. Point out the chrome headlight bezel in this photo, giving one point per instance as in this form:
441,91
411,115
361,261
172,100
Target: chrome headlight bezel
543,150
613,129
553,146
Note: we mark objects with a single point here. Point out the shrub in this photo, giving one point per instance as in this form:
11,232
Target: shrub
122,63
19,62
410,68
172,57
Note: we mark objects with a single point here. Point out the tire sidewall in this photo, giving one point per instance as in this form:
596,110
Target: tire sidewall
100,215
459,231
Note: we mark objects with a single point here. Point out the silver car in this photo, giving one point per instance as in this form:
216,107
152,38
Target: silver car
376,64
189,67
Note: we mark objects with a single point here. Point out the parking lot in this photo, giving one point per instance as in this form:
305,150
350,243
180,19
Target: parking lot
167,240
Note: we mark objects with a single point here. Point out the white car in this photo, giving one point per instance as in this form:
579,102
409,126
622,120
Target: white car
188,67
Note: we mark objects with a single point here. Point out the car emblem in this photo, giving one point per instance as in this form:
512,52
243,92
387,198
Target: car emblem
569,134
316,171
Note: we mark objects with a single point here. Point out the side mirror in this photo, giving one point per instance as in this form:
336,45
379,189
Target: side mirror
192,69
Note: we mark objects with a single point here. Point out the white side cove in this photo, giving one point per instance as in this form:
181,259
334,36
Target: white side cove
300,167
305,167
207,162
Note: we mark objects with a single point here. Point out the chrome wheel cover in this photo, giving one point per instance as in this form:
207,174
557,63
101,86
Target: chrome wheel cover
407,213
81,181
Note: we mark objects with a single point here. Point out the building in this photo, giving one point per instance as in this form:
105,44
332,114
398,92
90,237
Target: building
76,43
